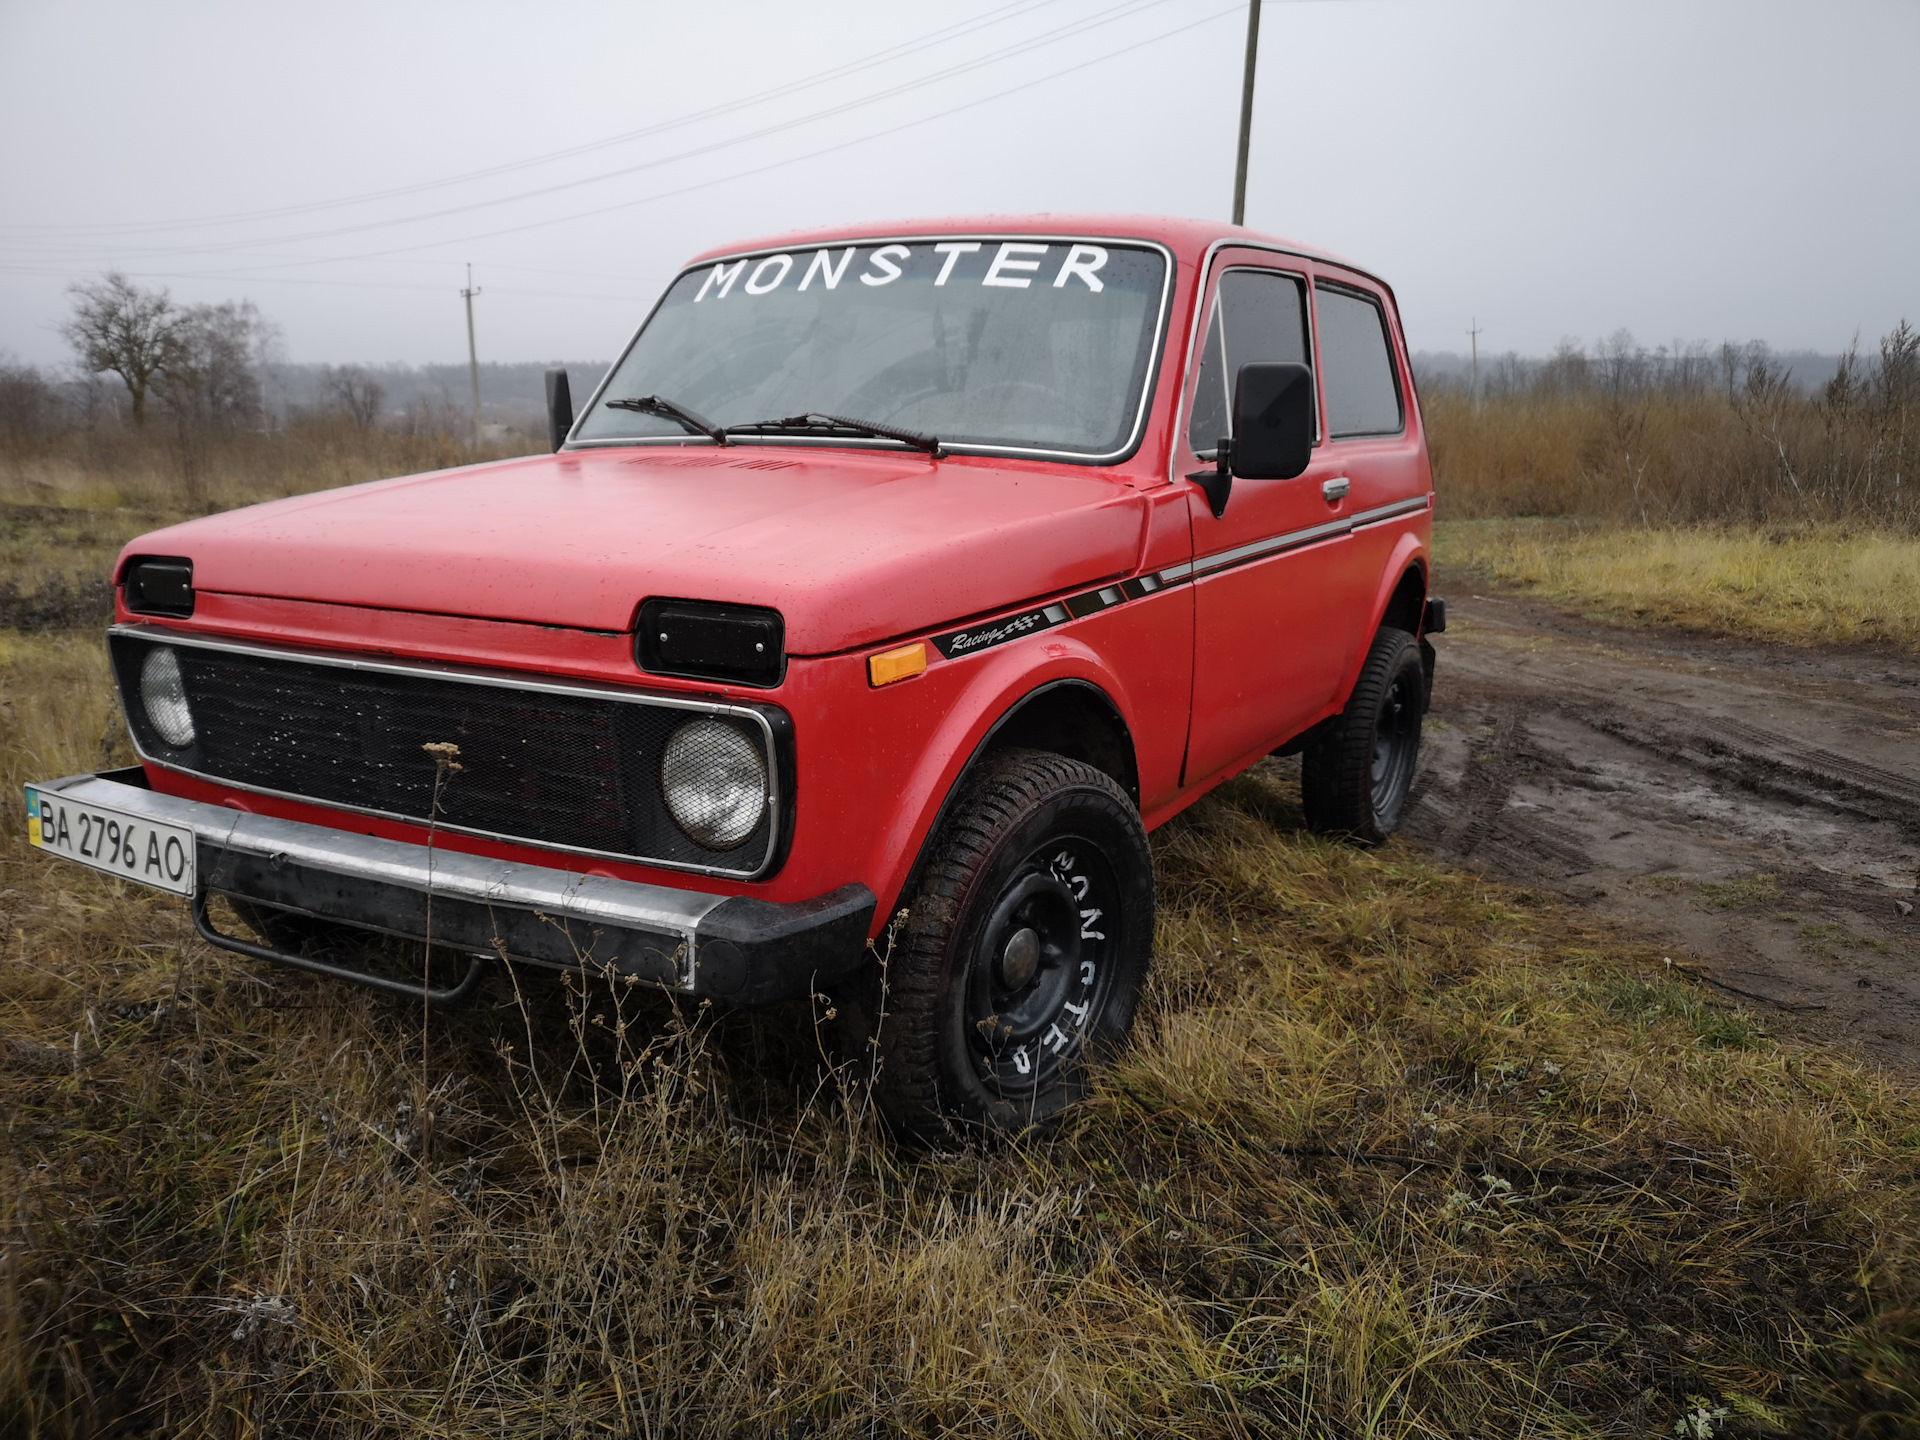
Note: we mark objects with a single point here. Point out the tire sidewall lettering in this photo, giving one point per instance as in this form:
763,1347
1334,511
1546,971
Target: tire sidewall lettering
1064,823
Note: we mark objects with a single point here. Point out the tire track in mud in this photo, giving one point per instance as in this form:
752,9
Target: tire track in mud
1761,761
1477,816
1756,810
1458,818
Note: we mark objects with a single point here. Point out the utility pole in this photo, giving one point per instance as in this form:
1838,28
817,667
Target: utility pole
1473,337
1246,114
473,355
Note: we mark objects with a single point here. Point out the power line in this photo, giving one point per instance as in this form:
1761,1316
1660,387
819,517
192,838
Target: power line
19,267
946,34
245,276
1067,31
790,160
1050,37
257,279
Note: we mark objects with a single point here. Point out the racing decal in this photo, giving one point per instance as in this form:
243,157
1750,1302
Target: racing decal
989,633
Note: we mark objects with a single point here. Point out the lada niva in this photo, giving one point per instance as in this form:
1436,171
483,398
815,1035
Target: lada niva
887,592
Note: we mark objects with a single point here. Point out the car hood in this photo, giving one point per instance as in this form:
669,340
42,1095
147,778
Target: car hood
849,547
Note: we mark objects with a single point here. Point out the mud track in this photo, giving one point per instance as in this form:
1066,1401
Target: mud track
1754,809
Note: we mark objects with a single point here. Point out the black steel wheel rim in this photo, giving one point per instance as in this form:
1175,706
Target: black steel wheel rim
1396,741
1041,966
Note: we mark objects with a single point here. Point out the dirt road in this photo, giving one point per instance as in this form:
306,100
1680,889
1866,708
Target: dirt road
1754,808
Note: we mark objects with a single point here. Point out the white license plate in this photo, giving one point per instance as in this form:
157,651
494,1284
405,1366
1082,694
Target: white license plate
130,846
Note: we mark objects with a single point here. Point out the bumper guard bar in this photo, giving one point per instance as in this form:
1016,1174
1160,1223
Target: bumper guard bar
730,948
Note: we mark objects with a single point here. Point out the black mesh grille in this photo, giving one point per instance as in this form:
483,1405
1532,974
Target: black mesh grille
575,771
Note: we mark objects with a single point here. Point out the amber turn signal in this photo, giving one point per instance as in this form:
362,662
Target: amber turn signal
902,664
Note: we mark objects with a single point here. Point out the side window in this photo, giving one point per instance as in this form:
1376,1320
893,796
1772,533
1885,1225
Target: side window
1257,315
1356,366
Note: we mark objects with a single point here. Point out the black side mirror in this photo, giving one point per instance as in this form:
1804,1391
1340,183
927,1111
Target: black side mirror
1272,420
1272,430
559,406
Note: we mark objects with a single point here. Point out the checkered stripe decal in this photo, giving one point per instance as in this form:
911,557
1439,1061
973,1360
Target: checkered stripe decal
986,634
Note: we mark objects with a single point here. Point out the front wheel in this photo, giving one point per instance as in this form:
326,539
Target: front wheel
1355,776
1024,953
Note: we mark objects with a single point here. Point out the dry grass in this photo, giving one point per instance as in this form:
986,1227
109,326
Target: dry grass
70,500
1632,438
1631,487
1800,587
114,466
1396,1153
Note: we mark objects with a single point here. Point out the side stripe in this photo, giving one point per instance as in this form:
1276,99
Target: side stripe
1294,539
990,633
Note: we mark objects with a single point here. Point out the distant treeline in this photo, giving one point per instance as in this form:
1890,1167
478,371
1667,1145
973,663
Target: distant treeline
206,370
392,396
511,394
195,401
1734,434
1620,361
191,405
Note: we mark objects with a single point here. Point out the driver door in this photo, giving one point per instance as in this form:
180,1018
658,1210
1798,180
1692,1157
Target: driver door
1276,601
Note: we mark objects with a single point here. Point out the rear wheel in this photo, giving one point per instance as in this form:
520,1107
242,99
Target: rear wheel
1355,777
1023,954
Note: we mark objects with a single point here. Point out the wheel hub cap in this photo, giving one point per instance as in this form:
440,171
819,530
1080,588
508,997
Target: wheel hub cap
1021,957
1040,968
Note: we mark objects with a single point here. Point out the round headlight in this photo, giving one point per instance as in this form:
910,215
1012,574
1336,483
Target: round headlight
164,696
715,783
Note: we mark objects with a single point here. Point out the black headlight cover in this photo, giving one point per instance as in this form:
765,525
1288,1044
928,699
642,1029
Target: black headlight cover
160,585
704,640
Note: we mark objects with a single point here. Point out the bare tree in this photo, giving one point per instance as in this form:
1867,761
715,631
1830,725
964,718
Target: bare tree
213,376
1897,373
1848,385
1623,363
27,406
355,394
1569,371
134,333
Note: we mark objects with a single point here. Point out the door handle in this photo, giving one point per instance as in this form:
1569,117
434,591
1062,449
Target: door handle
1336,489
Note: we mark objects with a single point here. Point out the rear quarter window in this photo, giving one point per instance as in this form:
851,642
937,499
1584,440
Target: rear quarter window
1356,364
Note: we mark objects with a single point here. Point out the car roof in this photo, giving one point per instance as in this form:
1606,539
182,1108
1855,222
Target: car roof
1188,239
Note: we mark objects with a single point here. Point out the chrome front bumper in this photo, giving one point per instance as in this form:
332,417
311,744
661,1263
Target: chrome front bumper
734,948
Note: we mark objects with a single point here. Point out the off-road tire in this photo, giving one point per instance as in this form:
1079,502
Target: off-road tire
1357,773
1041,846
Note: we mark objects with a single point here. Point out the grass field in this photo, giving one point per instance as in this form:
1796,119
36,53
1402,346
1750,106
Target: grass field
1817,586
1672,489
1395,1153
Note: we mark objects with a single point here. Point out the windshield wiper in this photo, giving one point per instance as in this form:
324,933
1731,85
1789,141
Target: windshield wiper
815,423
691,420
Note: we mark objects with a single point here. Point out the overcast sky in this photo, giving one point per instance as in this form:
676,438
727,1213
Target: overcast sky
1684,170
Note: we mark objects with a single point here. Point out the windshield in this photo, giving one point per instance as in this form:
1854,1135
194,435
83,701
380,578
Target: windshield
1008,344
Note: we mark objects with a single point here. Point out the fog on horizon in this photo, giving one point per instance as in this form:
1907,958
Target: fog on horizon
1690,171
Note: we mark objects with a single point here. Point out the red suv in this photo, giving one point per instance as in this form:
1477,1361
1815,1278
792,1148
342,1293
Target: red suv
890,588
